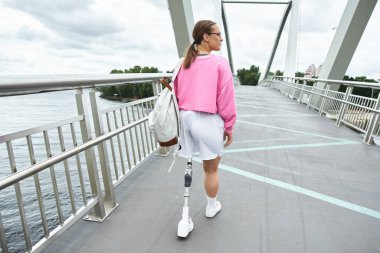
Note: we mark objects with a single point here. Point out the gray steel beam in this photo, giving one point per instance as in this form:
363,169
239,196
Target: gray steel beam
278,37
183,23
351,27
18,176
225,26
292,45
286,13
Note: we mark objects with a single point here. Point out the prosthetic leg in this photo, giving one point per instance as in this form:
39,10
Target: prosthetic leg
185,225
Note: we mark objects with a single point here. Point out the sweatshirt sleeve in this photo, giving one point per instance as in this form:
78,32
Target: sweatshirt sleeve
226,99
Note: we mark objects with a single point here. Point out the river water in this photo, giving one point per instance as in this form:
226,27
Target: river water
23,112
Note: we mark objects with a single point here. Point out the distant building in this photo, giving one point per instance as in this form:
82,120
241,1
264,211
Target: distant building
313,71
310,71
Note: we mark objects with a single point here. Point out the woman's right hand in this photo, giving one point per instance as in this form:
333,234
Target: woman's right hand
227,138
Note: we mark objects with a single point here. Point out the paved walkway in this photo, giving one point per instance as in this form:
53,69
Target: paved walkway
291,182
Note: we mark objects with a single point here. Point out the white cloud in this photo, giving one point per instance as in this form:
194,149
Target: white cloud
69,18
25,32
93,37
58,37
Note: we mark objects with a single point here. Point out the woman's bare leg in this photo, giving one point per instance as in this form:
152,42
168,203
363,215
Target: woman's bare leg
211,180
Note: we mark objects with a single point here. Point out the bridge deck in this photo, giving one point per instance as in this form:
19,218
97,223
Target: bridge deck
291,182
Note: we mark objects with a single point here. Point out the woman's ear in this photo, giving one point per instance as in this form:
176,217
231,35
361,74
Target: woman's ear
205,37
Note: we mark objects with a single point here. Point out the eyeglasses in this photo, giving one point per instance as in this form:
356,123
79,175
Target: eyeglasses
218,34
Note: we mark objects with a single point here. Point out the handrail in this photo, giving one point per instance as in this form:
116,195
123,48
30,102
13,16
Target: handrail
125,140
129,104
333,81
61,82
30,171
34,130
358,112
336,99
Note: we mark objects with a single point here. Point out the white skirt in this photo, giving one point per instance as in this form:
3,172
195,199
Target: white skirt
201,134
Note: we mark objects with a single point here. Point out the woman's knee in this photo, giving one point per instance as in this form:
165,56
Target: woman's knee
211,166
210,170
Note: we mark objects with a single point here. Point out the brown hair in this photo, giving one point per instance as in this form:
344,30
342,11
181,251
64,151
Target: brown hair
200,28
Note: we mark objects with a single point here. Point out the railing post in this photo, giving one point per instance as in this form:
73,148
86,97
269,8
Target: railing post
375,120
163,151
301,92
271,81
282,88
278,84
311,95
290,87
324,99
99,209
20,202
281,85
110,202
156,87
295,88
286,87
343,107
3,239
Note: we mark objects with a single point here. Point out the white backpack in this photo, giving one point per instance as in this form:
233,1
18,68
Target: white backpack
164,121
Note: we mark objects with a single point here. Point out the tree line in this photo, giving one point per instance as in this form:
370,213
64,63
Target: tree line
249,76
131,91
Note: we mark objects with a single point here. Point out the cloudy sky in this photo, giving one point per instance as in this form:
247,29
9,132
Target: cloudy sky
96,36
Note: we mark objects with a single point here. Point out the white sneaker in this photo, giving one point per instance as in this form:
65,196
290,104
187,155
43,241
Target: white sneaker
212,211
185,226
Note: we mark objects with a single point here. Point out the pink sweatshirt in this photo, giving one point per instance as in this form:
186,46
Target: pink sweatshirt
207,86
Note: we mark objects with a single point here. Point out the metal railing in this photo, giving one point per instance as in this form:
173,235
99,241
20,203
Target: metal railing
357,112
79,178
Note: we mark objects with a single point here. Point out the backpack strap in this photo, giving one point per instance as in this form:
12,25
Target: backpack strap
177,68
170,86
175,72
166,81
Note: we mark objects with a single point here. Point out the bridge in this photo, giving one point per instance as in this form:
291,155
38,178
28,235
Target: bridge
301,176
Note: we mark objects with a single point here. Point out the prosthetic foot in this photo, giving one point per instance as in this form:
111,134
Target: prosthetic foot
186,225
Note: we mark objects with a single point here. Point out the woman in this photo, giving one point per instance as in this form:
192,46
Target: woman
205,93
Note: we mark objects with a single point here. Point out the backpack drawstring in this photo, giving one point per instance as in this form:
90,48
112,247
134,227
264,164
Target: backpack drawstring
175,155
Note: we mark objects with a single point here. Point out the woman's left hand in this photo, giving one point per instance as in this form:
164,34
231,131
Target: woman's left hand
228,137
